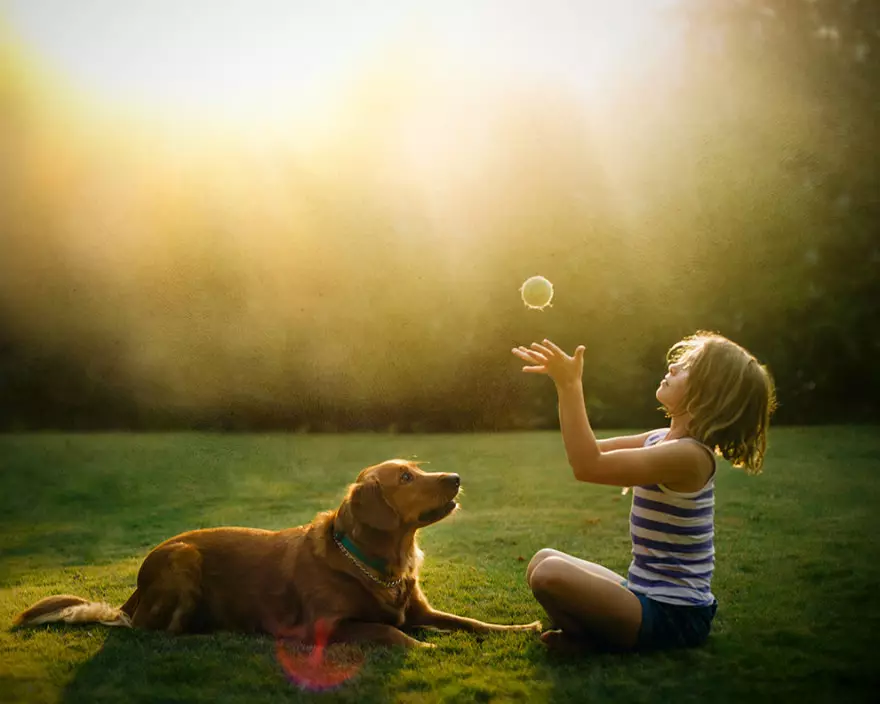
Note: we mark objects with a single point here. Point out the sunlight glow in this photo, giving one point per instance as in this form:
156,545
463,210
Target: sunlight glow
263,62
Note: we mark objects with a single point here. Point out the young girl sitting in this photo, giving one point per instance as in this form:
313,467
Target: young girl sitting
718,398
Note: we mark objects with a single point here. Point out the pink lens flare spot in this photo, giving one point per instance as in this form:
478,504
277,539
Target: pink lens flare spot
309,664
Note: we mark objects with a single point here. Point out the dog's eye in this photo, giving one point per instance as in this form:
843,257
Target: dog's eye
405,477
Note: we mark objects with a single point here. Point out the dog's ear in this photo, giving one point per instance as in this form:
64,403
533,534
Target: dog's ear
368,506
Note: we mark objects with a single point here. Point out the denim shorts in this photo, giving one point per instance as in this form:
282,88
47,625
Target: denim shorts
673,626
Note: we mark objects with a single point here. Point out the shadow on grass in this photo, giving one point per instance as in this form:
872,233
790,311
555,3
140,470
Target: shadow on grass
142,666
630,676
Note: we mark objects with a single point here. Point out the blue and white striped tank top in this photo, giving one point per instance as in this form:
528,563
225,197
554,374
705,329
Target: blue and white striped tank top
673,541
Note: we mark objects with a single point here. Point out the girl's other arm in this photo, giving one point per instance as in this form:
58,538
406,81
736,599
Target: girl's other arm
624,442
620,442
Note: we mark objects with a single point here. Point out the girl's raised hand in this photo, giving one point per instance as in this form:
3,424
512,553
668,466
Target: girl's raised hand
547,358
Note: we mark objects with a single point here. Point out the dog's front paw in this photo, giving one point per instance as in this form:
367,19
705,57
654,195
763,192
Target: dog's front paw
533,626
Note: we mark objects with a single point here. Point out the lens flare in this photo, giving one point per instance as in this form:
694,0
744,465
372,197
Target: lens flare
309,664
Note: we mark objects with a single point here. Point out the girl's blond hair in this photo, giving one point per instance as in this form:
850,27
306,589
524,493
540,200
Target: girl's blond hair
730,397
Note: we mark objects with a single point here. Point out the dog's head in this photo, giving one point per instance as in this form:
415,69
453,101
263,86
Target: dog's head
397,495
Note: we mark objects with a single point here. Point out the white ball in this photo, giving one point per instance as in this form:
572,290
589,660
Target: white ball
536,292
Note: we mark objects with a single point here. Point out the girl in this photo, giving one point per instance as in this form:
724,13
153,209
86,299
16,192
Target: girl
718,398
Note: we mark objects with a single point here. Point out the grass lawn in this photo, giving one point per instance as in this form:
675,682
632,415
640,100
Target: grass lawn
797,575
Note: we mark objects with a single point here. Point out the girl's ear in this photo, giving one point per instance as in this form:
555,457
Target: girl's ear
368,506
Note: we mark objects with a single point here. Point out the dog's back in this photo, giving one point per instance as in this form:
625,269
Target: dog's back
214,579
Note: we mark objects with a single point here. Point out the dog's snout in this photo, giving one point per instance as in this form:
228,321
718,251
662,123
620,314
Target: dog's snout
453,479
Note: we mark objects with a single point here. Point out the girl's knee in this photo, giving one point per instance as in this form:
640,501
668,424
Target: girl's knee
548,574
537,559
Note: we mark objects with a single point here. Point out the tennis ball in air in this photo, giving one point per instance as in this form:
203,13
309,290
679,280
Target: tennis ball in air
536,292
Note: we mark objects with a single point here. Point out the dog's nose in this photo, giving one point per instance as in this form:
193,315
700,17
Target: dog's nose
453,479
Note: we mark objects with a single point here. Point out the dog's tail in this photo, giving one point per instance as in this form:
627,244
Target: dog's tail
71,609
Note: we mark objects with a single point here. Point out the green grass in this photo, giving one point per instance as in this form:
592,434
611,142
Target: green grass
797,571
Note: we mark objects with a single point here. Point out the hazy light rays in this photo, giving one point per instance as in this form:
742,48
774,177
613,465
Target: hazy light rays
259,63
211,264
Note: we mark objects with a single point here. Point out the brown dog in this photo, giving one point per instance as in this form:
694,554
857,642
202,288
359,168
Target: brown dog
356,568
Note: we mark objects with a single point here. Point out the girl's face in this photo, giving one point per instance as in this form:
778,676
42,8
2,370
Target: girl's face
672,389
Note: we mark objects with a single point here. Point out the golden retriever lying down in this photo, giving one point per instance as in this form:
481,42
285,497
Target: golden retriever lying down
356,567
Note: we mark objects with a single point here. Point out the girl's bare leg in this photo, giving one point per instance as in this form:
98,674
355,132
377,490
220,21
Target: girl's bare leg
592,567
585,602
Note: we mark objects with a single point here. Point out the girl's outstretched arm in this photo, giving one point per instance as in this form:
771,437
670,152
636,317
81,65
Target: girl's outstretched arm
581,445
664,463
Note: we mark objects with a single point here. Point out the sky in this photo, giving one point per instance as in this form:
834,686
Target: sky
250,59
